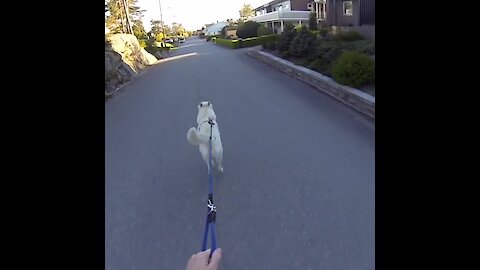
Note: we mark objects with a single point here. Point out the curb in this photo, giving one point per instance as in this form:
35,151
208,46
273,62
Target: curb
349,96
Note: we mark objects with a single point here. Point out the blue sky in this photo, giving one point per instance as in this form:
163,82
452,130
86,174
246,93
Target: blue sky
192,14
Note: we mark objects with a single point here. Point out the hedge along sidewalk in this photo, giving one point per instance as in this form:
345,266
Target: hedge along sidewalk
247,42
352,97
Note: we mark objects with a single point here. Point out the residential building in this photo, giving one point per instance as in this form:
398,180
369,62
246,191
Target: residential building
276,13
357,15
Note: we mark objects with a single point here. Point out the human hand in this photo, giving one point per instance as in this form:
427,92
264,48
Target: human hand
200,261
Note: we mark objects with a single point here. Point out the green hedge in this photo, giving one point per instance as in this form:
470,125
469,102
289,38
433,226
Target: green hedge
226,43
354,69
248,42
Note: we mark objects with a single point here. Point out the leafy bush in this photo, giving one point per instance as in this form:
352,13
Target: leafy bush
330,50
288,34
348,36
354,69
143,43
263,31
303,43
327,52
248,29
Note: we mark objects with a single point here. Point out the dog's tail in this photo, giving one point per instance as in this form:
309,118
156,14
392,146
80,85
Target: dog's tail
192,136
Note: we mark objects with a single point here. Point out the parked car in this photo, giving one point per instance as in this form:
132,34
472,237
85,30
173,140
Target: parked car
181,39
168,40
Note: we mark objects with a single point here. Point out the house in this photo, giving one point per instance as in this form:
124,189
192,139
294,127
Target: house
214,28
356,15
276,13
230,31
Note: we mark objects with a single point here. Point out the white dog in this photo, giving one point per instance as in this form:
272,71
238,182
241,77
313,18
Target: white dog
201,135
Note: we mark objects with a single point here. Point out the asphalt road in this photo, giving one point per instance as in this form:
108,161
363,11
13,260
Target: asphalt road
298,187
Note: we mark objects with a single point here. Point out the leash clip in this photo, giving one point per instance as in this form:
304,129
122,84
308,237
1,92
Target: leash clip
212,210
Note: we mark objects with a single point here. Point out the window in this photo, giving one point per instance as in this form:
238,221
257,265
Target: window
347,8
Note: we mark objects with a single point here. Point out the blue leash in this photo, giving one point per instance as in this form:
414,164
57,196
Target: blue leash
212,210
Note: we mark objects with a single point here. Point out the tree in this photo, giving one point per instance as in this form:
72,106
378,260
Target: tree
246,12
312,21
155,26
248,29
139,30
117,20
135,12
114,20
178,29
230,22
167,30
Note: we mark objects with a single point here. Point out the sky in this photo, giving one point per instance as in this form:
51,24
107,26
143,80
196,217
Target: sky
193,14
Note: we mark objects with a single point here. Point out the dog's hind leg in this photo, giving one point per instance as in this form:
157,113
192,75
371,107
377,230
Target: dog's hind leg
208,166
220,168
218,162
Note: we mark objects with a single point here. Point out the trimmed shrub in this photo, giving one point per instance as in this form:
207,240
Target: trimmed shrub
248,29
263,31
303,43
248,42
354,69
232,44
288,34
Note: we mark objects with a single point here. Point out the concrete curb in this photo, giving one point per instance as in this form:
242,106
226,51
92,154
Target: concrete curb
352,97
